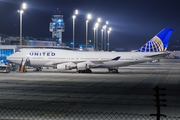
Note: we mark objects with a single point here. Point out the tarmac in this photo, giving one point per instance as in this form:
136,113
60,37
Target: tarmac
129,91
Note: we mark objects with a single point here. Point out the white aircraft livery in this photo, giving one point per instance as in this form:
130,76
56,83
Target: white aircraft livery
83,61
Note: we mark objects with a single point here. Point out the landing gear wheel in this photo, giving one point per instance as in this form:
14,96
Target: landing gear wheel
80,71
88,71
113,71
85,71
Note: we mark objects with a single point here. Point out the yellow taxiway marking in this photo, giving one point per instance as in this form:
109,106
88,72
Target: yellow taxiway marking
113,110
169,74
66,104
52,115
124,101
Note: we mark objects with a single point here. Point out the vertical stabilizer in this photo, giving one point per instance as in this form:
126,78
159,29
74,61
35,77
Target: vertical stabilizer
158,43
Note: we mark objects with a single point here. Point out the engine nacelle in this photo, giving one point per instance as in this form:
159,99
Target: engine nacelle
65,66
84,65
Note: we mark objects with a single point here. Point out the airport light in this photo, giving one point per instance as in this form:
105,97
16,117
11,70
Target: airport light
96,25
88,18
94,37
101,39
23,6
73,16
107,22
99,20
108,39
104,26
73,28
76,12
110,29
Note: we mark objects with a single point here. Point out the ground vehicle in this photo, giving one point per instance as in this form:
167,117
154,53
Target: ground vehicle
4,69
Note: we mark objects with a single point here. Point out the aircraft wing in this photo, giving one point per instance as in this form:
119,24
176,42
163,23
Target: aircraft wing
75,62
95,62
101,61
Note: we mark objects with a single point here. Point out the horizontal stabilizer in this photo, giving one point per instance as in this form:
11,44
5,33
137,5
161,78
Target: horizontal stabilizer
158,55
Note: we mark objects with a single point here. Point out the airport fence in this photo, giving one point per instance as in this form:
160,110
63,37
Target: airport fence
52,114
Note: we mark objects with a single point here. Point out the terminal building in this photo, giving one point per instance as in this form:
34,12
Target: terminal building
10,45
6,50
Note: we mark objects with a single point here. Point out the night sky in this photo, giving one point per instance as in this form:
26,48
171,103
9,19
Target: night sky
133,22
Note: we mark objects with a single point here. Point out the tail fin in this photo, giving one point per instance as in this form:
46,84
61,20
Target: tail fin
158,43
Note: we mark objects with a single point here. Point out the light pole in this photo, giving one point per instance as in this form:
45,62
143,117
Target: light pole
96,25
102,39
98,20
21,12
105,44
104,27
88,18
94,38
73,28
108,40
108,37
76,12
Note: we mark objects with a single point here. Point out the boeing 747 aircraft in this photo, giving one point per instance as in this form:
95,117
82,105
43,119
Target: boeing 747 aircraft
83,61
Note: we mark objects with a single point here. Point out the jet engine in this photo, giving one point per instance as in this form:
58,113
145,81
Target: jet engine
84,65
66,66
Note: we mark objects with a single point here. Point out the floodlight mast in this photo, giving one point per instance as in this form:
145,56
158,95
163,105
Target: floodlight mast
23,6
73,28
105,43
97,42
108,36
88,18
74,17
96,25
94,38
102,39
108,40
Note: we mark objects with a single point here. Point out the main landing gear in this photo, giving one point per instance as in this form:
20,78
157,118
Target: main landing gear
113,71
85,71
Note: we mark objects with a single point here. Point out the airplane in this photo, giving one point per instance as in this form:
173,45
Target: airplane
83,61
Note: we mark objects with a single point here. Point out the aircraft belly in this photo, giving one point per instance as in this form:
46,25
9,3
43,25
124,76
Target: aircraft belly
40,63
116,64
17,62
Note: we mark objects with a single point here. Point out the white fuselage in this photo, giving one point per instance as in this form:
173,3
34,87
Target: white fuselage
53,57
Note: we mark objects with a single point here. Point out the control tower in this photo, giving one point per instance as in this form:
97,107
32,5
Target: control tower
57,27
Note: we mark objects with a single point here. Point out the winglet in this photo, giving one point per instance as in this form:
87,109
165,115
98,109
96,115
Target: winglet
117,58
